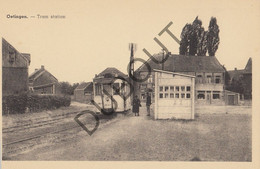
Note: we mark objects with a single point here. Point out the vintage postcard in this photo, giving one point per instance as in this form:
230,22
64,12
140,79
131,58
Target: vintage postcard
143,83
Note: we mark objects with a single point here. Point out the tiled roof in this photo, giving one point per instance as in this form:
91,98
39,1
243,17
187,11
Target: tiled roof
181,63
35,74
113,71
83,85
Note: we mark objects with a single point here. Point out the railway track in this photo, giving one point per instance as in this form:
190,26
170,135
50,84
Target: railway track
16,145
29,125
74,125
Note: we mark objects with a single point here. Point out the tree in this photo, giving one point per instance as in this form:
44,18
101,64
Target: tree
67,88
193,39
185,38
213,37
202,43
196,41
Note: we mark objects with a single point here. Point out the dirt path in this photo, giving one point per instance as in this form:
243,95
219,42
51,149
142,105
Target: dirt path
219,137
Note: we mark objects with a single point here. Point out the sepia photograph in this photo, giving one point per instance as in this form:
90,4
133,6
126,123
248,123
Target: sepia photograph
132,81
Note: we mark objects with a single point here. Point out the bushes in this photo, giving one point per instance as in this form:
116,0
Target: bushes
32,103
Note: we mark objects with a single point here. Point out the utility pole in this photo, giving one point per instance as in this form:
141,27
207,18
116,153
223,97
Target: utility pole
163,59
132,48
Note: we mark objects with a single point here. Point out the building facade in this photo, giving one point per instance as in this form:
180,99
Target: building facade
14,70
209,76
84,92
43,82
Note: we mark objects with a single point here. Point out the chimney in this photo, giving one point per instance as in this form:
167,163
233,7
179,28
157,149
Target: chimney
42,67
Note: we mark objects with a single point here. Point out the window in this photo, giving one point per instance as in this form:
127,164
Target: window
161,89
170,92
116,89
183,95
177,95
107,89
201,95
182,88
216,94
171,88
187,95
166,95
171,95
187,88
177,88
166,88
217,79
208,78
161,95
97,89
199,79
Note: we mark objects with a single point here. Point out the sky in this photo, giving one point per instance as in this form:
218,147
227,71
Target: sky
96,34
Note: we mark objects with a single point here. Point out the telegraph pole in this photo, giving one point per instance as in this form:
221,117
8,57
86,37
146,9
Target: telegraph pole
132,48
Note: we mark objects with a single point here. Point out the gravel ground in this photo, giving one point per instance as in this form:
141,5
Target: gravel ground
210,137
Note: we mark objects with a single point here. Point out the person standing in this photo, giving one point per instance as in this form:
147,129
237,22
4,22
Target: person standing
136,105
148,103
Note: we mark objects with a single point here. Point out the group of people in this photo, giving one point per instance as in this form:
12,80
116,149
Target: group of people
137,104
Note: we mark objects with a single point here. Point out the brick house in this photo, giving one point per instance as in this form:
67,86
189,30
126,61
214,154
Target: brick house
209,77
245,77
43,82
14,70
84,92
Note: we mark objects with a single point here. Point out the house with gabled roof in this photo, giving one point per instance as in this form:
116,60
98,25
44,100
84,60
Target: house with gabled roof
43,82
14,70
84,92
209,76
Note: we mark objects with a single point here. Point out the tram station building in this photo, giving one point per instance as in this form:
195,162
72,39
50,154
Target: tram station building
209,77
175,98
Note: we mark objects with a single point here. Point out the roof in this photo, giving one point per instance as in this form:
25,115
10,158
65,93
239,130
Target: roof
104,80
37,73
239,72
182,63
235,73
180,74
248,68
83,85
24,56
113,71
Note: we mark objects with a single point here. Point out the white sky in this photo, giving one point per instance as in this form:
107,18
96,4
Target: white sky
95,34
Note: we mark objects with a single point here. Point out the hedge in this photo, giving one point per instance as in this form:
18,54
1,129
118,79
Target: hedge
33,103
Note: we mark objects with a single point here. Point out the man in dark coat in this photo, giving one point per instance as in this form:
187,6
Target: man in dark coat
136,105
148,103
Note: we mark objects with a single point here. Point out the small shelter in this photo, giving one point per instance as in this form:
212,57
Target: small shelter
174,95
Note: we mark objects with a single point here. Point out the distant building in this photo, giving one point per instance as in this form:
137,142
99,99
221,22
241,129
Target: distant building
14,70
245,77
84,92
209,77
43,82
